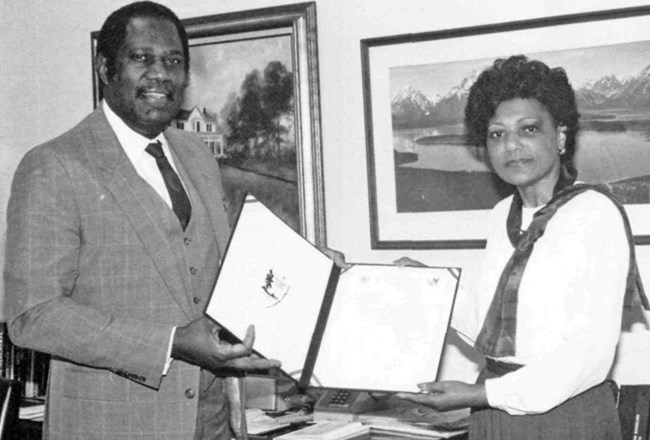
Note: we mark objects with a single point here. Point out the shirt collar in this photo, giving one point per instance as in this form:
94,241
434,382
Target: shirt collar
128,138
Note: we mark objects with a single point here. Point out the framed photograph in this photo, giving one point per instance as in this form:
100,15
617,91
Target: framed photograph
253,97
430,189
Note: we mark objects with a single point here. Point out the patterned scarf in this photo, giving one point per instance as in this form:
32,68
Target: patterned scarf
498,335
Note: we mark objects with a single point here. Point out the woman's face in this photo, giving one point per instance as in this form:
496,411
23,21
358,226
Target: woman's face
524,147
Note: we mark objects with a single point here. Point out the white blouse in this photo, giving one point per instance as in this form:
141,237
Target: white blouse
570,303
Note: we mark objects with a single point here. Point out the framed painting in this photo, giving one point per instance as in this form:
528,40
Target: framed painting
253,97
430,189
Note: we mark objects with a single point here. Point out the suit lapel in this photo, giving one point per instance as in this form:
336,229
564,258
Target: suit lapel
139,203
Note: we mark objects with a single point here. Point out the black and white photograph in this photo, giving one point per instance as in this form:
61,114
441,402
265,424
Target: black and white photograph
416,107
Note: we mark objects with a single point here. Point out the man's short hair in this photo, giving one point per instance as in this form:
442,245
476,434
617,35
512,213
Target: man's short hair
113,32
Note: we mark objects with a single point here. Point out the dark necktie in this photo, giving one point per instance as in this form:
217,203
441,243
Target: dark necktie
180,202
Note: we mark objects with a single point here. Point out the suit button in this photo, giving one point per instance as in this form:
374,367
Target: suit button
197,300
189,393
192,270
187,241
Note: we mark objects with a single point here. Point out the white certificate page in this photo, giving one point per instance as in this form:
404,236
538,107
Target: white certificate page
273,278
386,328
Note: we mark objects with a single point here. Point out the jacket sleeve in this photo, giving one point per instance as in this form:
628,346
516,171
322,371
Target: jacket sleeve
46,309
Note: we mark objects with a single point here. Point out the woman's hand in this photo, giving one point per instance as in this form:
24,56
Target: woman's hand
337,257
406,261
448,395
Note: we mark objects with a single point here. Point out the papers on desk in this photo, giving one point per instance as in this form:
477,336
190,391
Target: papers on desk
416,422
328,430
411,433
259,422
345,430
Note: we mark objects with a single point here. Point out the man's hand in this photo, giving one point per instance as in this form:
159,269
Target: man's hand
448,395
198,343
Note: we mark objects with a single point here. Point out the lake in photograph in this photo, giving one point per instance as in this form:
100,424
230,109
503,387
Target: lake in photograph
435,170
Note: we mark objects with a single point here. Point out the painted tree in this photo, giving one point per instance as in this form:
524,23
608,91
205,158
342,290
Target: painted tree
277,96
247,118
255,117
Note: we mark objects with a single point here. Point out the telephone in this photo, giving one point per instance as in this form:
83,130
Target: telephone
347,401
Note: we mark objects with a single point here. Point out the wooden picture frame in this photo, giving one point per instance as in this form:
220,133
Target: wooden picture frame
281,167
429,189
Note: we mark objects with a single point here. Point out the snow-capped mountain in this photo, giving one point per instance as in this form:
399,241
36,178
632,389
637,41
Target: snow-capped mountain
594,93
634,93
411,108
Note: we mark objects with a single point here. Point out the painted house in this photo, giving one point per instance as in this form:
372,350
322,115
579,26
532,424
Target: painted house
205,125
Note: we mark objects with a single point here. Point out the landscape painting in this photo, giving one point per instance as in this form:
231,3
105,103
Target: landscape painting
253,98
613,144
244,87
430,188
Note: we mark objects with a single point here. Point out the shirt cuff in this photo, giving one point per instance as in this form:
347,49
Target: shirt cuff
501,395
168,363
494,393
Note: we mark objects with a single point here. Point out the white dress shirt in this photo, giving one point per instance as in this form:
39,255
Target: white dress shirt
134,145
569,304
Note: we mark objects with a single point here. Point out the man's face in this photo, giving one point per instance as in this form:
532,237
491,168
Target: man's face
146,91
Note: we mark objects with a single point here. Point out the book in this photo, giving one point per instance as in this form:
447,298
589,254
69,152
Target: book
30,367
32,409
416,421
328,430
412,433
4,338
260,422
418,416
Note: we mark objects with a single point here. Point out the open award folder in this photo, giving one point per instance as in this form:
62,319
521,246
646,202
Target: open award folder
371,327
274,278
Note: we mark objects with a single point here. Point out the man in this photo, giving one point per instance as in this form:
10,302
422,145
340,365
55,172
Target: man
107,270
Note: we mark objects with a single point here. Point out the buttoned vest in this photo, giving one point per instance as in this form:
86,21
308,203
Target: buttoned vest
198,244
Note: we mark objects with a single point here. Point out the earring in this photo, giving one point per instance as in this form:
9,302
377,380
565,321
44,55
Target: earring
561,139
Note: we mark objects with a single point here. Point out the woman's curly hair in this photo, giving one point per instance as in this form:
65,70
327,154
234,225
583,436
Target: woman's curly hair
519,77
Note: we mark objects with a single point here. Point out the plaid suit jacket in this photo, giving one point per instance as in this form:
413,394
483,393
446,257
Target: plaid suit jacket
92,278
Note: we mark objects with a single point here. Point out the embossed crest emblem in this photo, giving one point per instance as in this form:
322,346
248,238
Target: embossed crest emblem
275,287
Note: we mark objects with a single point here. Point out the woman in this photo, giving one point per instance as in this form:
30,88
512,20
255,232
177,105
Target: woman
558,266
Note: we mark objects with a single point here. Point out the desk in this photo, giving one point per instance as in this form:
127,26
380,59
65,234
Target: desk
391,418
384,418
31,430
371,436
